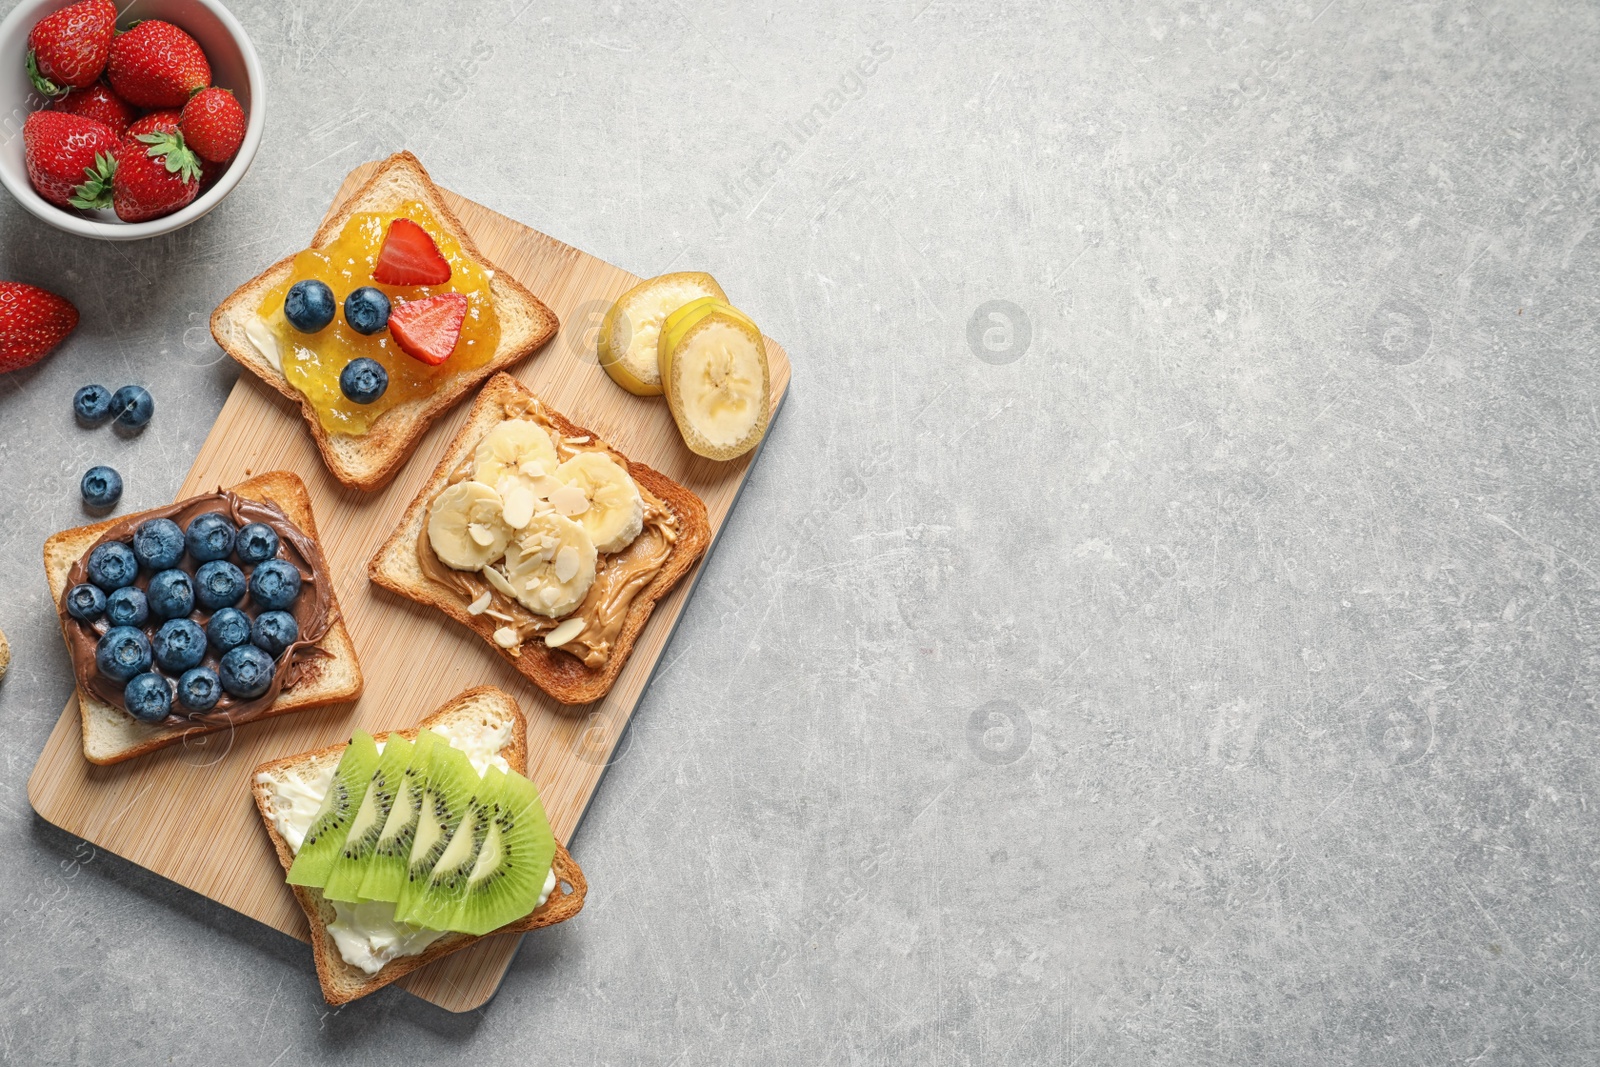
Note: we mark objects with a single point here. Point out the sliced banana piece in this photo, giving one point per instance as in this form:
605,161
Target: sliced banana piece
714,369
516,446
628,335
549,565
465,526
600,494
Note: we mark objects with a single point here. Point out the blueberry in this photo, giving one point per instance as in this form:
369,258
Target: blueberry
148,697
86,602
199,689
127,607
112,566
247,672
133,406
309,306
257,543
218,584
228,628
274,631
92,405
366,310
363,380
158,544
122,653
274,585
210,537
102,488
179,645
171,594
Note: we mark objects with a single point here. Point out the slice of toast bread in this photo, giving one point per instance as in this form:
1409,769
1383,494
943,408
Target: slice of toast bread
111,735
343,982
563,676
367,461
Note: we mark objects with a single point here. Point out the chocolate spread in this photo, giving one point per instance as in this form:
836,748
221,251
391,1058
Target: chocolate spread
311,608
619,576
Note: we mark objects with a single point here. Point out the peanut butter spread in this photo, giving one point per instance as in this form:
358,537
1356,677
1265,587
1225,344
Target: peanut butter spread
619,576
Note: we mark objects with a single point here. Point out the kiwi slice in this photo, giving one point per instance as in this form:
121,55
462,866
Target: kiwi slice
326,835
440,891
446,794
344,880
514,859
386,866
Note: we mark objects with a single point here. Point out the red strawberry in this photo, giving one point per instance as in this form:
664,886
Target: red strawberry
155,64
32,322
213,124
70,158
68,50
98,102
409,257
155,122
428,329
156,175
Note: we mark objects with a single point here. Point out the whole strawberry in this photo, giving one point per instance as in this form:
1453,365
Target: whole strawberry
32,322
68,50
70,158
156,175
155,64
98,102
153,122
213,124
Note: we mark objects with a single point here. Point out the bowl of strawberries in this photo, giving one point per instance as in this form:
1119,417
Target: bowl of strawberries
124,120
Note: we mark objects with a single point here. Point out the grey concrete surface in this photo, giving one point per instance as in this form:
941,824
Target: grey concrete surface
1191,658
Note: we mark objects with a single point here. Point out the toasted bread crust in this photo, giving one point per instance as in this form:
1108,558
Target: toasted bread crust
560,674
343,982
110,735
369,461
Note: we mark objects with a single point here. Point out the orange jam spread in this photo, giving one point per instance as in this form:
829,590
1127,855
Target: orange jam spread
312,361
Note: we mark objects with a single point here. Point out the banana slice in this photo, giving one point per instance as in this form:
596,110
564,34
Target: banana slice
516,458
465,526
549,565
601,495
714,369
628,335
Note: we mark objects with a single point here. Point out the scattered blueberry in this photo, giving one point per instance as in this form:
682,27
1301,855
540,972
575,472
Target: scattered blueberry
274,631
133,406
363,380
309,306
102,488
92,405
179,645
366,310
148,697
199,689
257,543
158,544
127,607
247,672
210,537
171,594
86,602
227,629
122,652
218,584
274,585
112,566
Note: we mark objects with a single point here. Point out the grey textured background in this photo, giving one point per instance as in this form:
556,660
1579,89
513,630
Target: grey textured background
1211,680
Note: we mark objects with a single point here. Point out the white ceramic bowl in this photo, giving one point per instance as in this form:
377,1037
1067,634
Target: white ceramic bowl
233,66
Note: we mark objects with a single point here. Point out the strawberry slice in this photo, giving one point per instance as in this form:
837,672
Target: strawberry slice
409,257
428,329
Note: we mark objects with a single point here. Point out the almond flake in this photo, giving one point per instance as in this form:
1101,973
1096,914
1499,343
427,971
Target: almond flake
565,632
477,606
502,616
518,510
566,563
480,534
570,501
499,581
506,637
577,440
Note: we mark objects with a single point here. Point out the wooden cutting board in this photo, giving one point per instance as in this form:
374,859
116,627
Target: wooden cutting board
185,812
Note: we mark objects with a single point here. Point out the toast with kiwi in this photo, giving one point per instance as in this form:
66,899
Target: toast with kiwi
398,565
483,708
110,734
368,460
